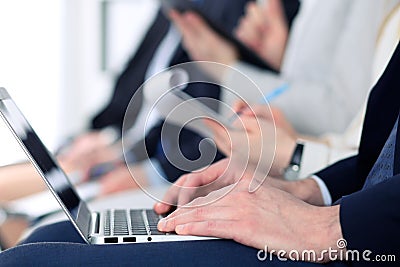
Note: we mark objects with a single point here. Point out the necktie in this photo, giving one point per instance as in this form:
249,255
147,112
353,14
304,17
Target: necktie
383,168
132,78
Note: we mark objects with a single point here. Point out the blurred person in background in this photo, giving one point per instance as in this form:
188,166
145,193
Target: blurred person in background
160,48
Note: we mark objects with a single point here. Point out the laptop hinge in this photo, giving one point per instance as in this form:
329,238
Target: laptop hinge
95,223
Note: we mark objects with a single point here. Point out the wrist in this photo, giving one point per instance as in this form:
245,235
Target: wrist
287,152
328,233
308,191
283,154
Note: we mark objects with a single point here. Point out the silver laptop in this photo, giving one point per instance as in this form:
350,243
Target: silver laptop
105,227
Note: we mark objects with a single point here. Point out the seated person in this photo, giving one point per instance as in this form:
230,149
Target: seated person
317,61
203,45
159,49
318,152
228,17
198,33
279,217
94,147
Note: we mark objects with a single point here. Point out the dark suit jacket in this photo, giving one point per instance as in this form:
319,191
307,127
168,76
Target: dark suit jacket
370,219
223,12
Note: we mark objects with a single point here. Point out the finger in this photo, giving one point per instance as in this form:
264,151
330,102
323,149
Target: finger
212,228
214,171
209,199
198,23
248,124
229,141
208,213
262,111
171,197
204,201
248,34
216,127
273,9
199,185
239,105
275,16
224,145
251,26
176,18
191,186
256,15
219,131
187,30
205,176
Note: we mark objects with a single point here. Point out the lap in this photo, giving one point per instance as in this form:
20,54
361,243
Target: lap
59,244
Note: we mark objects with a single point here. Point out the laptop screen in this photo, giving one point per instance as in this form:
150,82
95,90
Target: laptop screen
45,163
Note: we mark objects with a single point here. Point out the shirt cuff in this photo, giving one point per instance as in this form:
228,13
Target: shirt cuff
326,195
314,158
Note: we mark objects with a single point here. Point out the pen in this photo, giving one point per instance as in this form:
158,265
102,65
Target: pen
275,93
266,99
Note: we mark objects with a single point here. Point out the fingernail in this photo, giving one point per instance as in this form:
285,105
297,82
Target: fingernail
162,224
179,229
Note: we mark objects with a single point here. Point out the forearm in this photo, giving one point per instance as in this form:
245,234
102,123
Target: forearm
329,233
19,180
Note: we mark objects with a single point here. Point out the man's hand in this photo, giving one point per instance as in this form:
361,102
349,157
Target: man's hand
121,179
268,218
266,112
228,172
87,151
201,183
260,143
202,43
265,30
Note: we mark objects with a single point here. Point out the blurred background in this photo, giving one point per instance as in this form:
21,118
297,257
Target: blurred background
60,58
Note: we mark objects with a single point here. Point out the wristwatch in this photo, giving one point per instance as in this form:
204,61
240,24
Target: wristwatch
292,172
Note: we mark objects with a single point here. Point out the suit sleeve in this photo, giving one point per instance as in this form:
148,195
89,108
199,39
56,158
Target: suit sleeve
342,178
370,219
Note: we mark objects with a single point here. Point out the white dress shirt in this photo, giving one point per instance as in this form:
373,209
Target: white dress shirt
339,146
327,65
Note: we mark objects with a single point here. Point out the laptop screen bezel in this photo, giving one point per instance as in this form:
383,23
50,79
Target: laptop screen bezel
46,165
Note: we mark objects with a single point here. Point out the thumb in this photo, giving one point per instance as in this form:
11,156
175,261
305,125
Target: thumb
273,11
247,123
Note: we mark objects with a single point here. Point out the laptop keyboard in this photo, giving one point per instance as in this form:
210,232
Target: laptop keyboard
131,222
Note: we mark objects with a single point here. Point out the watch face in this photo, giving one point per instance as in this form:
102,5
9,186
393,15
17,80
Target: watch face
292,173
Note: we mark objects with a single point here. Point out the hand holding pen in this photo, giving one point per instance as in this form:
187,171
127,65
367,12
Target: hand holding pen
242,108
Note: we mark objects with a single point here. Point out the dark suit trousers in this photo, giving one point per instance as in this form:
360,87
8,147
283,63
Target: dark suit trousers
60,245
